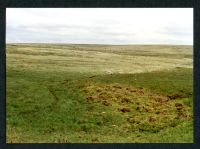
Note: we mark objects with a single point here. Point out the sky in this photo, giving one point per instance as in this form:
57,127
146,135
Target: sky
100,25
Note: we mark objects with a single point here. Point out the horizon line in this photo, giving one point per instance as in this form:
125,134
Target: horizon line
93,43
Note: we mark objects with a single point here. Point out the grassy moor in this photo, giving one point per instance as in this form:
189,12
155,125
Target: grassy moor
82,93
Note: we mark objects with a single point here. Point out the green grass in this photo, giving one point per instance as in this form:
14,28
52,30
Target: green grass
65,106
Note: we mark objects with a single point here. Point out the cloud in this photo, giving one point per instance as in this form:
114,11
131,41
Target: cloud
100,25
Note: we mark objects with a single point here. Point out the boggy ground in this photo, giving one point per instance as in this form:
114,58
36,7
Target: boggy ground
142,109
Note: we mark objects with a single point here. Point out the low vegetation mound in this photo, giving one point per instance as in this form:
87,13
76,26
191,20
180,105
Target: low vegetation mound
142,109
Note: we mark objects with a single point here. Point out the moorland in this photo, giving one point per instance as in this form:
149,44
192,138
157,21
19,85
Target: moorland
81,93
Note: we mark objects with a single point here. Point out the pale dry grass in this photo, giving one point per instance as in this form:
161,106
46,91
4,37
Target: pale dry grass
98,58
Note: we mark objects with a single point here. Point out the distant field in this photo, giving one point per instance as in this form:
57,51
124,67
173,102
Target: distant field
98,58
99,93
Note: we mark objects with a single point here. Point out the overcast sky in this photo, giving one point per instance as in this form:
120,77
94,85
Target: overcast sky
100,25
